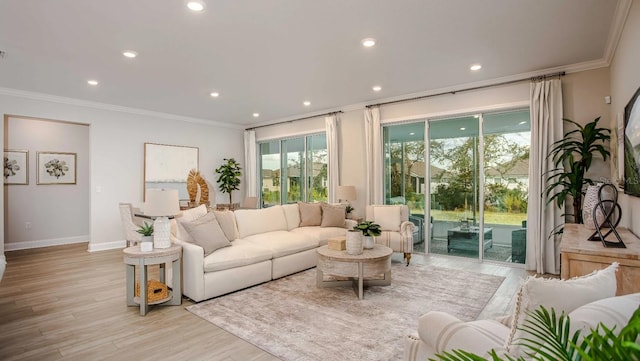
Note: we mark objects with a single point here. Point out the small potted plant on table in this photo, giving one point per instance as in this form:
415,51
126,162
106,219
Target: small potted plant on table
146,243
369,230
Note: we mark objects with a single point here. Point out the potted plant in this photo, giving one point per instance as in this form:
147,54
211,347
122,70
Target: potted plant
146,243
369,230
349,209
572,157
229,177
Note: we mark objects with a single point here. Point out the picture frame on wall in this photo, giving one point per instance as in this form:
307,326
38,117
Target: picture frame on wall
16,167
56,168
632,146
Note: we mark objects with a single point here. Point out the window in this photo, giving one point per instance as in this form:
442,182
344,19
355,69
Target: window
293,169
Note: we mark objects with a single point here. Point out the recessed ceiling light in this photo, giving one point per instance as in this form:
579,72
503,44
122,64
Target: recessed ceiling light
255,115
476,67
307,103
195,5
522,122
463,128
215,94
377,88
92,82
368,42
476,116
130,53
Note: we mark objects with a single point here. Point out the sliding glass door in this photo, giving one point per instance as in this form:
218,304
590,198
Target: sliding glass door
473,171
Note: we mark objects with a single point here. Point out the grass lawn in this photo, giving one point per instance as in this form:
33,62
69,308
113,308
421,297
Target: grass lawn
514,219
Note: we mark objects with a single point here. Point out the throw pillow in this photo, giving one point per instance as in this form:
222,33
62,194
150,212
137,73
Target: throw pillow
388,217
206,233
561,295
227,222
333,215
310,214
188,216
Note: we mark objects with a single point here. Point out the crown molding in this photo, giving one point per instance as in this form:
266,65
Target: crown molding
615,33
110,107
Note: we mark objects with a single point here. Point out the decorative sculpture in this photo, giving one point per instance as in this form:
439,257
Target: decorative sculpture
612,214
197,185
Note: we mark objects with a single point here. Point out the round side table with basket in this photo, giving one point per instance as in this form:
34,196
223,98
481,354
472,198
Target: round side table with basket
156,292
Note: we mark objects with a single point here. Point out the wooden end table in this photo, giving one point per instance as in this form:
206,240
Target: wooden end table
133,257
359,269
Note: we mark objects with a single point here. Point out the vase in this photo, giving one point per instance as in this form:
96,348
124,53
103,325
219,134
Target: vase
354,242
146,244
369,242
589,205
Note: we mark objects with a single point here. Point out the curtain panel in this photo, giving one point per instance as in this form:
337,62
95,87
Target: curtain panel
543,254
250,164
374,193
333,167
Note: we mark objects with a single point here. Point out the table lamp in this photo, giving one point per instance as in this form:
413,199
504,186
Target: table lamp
161,203
347,193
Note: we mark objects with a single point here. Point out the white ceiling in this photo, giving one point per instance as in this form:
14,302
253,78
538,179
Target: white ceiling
268,56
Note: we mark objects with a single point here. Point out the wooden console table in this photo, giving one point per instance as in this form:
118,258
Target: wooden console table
580,256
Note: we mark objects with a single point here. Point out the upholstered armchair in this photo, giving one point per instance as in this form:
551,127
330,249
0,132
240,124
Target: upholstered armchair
397,231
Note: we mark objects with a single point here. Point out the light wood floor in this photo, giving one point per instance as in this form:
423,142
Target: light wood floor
66,303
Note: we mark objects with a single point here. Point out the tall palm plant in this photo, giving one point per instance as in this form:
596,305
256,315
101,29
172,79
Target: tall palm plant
572,157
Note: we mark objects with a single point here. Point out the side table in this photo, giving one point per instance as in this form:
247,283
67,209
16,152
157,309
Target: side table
133,256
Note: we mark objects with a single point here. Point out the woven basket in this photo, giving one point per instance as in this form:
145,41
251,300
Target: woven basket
156,291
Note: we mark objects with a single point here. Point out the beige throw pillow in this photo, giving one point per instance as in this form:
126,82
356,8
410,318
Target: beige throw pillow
188,215
227,221
388,217
310,214
333,215
206,233
561,295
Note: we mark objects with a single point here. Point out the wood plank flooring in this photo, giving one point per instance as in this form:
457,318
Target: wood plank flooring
64,303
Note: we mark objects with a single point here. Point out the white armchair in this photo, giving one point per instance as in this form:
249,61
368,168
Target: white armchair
397,231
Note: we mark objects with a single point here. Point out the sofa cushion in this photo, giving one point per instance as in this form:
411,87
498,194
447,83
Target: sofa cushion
188,215
206,233
283,243
240,253
256,221
227,221
310,214
388,217
320,234
292,214
561,295
333,215
612,312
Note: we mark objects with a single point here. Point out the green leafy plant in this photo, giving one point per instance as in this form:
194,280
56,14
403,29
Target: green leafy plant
348,209
229,176
552,341
368,228
572,157
146,229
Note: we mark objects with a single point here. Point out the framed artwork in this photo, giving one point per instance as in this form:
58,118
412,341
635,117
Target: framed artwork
632,146
56,168
16,166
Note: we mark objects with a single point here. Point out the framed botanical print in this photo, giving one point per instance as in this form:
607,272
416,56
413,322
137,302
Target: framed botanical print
16,166
56,168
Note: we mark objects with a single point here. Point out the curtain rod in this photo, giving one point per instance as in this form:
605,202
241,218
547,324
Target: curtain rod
535,78
294,120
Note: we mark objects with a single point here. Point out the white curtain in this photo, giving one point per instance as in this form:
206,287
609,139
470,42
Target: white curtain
250,164
543,254
373,145
331,125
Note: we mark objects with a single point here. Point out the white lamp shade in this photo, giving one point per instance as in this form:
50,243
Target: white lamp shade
347,193
161,202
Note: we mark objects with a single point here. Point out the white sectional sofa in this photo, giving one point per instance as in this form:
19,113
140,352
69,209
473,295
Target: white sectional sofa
265,244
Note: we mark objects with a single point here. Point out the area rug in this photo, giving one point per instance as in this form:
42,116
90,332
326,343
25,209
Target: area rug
294,320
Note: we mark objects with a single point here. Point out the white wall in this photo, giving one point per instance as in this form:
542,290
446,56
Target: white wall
625,80
116,152
56,213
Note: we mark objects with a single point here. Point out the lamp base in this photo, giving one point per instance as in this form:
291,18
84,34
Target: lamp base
162,233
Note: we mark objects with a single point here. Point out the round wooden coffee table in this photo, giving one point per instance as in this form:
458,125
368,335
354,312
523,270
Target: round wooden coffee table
371,268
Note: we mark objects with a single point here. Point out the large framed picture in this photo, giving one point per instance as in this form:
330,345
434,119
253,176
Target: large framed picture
16,166
56,168
632,146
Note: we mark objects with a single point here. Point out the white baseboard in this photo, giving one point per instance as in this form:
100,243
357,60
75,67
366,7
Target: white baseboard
94,247
3,262
45,243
